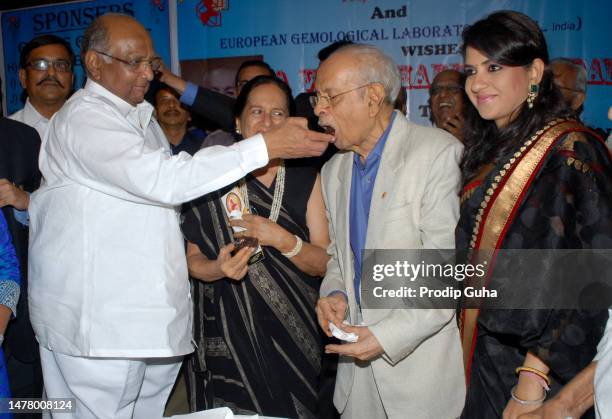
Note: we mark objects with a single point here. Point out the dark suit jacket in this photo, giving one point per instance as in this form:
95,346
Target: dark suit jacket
215,107
19,147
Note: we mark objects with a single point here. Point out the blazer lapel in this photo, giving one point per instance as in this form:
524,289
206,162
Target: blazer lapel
343,216
384,187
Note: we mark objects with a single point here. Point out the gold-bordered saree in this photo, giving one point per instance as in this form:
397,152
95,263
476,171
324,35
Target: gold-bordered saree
520,204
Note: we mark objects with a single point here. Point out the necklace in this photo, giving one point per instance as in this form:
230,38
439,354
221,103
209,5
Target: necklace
279,191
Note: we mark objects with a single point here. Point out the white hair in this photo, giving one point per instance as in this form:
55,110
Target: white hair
581,73
375,67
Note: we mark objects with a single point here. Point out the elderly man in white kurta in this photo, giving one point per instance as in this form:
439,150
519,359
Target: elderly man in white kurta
110,300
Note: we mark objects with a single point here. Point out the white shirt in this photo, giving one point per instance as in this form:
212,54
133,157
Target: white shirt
30,116
603,374
107,268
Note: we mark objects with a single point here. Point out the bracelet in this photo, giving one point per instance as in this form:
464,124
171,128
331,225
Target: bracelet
536,377
296,249
526,402
535,371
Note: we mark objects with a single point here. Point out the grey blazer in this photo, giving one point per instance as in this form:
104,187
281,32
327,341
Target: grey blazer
415,205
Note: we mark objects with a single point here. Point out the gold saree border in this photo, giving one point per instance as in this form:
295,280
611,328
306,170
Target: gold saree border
498,208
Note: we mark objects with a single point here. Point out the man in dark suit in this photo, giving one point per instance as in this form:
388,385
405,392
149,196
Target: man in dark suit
215,107
19,175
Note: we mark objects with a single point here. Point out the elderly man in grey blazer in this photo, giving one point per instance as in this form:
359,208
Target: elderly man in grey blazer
395,186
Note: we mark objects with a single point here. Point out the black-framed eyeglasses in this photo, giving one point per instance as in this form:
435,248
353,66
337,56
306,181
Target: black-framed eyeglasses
154,63
448,88
325,100
42,64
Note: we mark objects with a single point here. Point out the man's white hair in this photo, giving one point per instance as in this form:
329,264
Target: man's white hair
581,73
375,67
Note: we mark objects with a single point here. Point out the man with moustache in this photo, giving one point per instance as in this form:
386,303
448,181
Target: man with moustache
109,297
447,100
46,74
173,118
395,186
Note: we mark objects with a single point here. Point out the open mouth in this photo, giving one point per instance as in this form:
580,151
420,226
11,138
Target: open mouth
328,129
446,105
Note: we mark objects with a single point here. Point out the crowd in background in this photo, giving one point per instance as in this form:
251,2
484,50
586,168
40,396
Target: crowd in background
136,243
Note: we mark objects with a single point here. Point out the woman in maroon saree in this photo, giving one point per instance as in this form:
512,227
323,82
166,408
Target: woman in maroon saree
534,178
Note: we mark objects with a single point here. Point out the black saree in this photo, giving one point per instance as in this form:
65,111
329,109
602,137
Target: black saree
563,202
259,348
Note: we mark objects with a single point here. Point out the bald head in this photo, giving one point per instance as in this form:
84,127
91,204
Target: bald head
446,75
97,34
446,96
118,54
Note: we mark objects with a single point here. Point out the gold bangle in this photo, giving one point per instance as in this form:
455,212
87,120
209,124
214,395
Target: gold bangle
535,371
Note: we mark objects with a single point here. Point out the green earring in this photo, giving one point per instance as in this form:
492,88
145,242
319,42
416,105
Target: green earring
531,96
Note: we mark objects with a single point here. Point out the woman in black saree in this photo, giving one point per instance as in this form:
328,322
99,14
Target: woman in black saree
259,348
534,178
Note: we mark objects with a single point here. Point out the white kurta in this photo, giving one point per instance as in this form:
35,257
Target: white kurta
603,374
107,268
30,116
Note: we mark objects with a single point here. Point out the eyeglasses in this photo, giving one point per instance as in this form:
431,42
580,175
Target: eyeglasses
42,64
325,100
134,65
449,88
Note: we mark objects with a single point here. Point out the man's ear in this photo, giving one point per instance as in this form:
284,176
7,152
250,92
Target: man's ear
578,99
376,96
93,63
22,77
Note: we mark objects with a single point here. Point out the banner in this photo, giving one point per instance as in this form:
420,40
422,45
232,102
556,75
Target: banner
69,22
423,37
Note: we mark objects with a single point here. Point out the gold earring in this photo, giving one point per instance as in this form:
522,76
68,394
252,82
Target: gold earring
531,96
